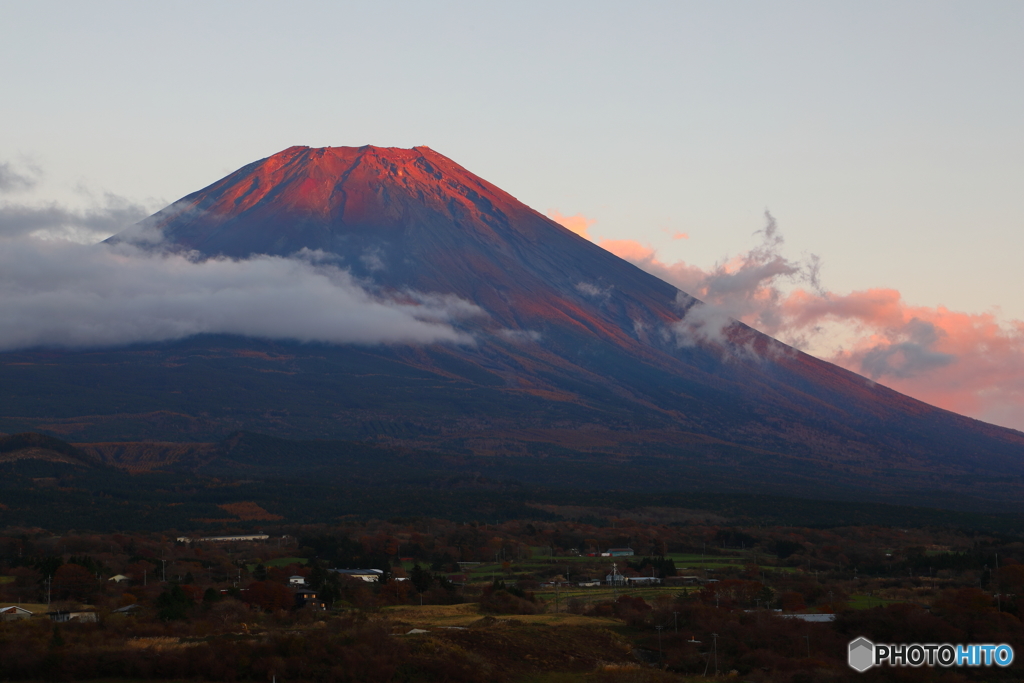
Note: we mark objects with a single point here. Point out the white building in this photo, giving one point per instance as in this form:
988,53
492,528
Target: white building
13,613
368,575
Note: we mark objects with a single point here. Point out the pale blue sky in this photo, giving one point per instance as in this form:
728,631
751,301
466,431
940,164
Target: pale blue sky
886,137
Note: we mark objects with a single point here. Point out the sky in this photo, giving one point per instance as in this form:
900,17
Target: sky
844,176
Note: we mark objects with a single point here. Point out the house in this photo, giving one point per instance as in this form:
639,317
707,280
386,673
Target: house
620,552
643,580
62,616
118,578
127,609
296,580
368,575
14,613
305,597
588,583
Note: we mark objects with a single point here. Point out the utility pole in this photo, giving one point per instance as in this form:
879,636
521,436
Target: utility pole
675,617
808,639
661,653
999,601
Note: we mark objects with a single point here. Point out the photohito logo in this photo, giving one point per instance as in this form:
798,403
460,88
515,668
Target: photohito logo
863,654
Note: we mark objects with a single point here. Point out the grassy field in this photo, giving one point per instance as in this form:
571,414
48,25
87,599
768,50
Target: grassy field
543,565
284,561
461,616
597,594
597,567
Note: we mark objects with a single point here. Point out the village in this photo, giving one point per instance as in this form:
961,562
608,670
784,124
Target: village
663,600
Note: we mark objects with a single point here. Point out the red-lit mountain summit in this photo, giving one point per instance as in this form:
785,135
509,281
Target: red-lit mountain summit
413,218
580,354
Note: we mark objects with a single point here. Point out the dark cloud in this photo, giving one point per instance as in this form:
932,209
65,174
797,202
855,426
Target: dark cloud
12,180
909,358
54,220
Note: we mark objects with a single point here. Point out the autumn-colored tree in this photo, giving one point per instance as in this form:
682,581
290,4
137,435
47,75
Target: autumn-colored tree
73,582
1010,579
394,592
25,585
792,601
268,596
140,571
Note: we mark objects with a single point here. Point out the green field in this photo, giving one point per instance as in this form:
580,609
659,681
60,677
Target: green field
542,563
599,593
279,562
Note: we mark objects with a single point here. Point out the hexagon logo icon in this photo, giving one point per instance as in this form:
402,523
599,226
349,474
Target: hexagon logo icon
862,654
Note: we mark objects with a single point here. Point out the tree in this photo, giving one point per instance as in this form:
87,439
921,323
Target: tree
48,566
269,596
792,601
73,582
139,571
420,578
173,604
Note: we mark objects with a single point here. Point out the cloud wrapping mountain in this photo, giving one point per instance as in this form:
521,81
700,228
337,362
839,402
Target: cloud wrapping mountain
67,295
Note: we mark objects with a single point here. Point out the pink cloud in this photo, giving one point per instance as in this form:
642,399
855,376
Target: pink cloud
970,363
578,223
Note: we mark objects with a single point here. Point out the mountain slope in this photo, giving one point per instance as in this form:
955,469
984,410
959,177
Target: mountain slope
579,351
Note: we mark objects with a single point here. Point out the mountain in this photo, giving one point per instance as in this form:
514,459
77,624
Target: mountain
28,446
580,356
